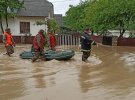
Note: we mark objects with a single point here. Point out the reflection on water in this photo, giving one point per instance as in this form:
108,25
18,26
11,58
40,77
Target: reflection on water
39,78
108,75
84,78
10,89
10,86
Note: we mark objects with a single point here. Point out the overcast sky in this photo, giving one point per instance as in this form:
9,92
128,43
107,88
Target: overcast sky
61,6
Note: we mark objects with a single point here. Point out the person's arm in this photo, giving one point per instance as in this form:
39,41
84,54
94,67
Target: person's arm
88,39
94,43
49,41
91,41
81,37
38,40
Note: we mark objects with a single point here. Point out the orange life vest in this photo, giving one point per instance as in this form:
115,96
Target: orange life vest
52,40
8,39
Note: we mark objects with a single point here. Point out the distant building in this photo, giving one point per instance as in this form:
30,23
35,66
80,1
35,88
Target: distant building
117,33
59,19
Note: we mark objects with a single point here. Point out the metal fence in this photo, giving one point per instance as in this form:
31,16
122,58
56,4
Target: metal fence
67,39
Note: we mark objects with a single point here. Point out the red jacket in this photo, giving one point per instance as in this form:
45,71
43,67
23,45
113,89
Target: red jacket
52,40
9,39
39,38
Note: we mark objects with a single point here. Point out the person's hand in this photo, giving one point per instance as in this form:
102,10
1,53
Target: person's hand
6,44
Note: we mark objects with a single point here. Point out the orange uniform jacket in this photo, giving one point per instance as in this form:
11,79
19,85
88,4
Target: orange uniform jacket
9,39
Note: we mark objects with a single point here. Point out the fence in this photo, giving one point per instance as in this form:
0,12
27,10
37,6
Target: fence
97,39
126,42
68,39
62,39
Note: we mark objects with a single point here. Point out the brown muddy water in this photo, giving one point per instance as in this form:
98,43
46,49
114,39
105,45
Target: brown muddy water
109,74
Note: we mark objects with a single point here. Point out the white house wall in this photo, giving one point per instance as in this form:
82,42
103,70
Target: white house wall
14,25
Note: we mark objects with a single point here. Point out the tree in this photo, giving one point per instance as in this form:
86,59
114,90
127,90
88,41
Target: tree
102,15
115,14
75,15
53,25
8,8
1,14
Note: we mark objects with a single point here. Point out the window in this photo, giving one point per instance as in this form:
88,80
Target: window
24,27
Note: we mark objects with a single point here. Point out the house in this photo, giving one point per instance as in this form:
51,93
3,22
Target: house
24,24
59,19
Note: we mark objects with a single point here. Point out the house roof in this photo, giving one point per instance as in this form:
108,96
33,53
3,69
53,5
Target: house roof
36,8
59,19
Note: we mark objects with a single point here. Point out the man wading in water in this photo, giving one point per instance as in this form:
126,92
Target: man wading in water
8,41
38,45
86,42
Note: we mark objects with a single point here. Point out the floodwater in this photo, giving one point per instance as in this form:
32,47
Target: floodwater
109,74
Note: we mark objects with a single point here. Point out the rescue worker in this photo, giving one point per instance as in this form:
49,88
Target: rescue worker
38,45
52,41
8,41
86,42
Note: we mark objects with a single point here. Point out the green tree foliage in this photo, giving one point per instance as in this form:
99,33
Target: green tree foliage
103,15
53,25
75,15
111,14
1,14
8,9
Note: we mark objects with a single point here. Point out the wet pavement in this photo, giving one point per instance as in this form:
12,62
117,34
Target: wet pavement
109,74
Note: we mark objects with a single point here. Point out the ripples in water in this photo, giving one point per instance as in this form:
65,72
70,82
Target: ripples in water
108,75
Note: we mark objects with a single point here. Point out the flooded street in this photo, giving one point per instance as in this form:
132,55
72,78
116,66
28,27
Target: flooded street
109,74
